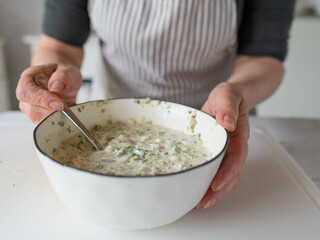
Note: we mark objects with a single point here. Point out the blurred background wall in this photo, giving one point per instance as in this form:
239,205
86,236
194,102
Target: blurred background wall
299,93
17,18
298,96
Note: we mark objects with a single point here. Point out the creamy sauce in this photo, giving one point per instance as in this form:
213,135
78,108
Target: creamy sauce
135,148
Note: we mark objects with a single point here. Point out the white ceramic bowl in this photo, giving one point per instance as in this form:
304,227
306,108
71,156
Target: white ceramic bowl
138,202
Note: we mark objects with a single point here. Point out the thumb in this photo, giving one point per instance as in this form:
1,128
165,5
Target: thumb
227,113
225,101
65,81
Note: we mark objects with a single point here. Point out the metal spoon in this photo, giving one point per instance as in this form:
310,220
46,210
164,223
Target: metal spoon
42,81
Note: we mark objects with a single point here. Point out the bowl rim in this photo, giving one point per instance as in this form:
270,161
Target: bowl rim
124,176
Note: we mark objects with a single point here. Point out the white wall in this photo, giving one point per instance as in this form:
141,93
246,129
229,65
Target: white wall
4,89
299,94
18,18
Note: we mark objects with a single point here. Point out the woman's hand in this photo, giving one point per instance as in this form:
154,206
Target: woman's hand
227,105
36,103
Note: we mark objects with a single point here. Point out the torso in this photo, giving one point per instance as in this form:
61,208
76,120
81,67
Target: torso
175,50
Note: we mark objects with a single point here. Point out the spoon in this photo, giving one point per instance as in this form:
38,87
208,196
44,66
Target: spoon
42,81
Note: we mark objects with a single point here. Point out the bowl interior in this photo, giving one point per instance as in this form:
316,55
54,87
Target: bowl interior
56,127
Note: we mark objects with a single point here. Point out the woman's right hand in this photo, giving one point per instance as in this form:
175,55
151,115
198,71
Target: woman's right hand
36,103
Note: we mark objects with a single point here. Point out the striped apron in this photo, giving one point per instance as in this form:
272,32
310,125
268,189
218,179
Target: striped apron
174,50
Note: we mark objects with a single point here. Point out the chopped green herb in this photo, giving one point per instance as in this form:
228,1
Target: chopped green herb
99,166
82,107
61,123
175,147
54,150
94,148
138,133
136,157
100,103
97,127
121,153
110,138
52,122
13,185
70,163
69,129
103,110
79,147
79,109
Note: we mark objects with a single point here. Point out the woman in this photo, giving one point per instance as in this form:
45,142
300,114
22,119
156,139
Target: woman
223,56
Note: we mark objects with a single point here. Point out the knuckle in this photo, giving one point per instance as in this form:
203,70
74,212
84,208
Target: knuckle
25,72
21,93
20,89
40,99
18,92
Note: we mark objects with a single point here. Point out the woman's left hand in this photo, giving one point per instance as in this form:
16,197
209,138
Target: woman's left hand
228,106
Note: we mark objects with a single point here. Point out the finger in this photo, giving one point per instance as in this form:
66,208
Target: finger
65,81
230,167
27,91
35,113
235,181
46,69
211,197
236,152
227,105
209,109
30,93
223,103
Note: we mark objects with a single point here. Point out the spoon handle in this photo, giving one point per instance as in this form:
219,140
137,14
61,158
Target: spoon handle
42,81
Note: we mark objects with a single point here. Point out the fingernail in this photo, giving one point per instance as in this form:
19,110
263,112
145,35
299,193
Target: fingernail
55,105
197,207
210,203
57,86
216,189
229,121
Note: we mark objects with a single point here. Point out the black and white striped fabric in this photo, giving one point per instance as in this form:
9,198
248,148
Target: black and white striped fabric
174,50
